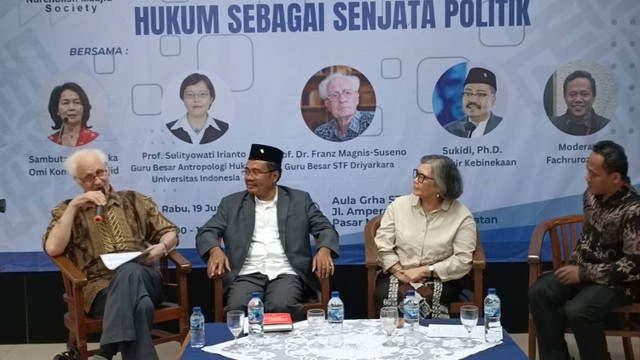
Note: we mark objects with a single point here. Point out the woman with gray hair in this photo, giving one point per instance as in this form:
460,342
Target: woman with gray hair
426,241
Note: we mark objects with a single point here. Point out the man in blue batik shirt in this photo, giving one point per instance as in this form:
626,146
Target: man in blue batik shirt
340,94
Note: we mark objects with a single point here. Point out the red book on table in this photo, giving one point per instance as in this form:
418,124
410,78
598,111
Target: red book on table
277,322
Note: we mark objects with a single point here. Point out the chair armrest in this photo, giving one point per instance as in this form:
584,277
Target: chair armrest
70,271
218,276
534,256
370,248
179,261
372,265
371,256
535,245
325,291
479,261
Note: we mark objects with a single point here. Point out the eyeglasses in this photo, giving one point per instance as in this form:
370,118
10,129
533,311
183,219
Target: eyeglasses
255,173
480,95
347,94
89,179
421,177
201,96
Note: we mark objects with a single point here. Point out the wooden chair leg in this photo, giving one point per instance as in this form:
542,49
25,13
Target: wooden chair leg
371,305
532,339
84,351
628,348
71,343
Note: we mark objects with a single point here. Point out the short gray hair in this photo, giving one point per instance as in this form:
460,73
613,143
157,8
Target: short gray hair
273,166
71,163
445,175
322,88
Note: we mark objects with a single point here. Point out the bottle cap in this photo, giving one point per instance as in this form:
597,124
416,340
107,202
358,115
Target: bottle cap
255,294
196,308
491,291
411,293
335,294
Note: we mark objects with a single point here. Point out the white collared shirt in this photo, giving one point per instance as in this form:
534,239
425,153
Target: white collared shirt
196,137
479,131
266,254
444,238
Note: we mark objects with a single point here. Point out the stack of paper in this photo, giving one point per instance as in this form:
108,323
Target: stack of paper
113,260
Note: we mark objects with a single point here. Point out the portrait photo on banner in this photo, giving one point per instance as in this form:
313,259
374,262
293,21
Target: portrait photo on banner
580,98
467,100
338,103
198,108
71,109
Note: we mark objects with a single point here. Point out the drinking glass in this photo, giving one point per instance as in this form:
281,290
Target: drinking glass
389,321
315,320
469,319
235,322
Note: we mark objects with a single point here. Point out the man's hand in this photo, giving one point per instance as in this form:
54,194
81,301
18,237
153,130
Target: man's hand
58,238
152,254
323,263
218,262
415,275
89,199
569,274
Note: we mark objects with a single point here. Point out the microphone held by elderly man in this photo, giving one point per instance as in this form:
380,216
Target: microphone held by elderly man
99,210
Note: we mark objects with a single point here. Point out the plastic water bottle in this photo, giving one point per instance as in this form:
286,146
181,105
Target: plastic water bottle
492,327
411,311
197,328
256,319
335,309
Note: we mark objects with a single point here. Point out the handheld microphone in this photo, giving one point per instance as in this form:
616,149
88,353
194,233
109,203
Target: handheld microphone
99,211
469,127
64,121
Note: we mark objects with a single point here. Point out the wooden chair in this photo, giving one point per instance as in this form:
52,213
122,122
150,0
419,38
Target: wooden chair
218,297
371,256
563,233
80,325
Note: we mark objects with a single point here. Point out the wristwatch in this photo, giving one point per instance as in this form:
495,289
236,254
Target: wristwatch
431,270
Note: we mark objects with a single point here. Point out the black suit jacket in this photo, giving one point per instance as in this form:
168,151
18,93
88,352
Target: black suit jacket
298,216
567,125
458,127
210,133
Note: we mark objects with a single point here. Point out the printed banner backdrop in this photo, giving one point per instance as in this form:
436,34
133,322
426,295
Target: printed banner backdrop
266,62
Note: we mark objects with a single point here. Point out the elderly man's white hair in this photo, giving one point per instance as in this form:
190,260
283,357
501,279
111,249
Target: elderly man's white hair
71,163
322,88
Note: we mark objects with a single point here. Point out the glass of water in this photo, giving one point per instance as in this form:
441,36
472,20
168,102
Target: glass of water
235,323
389,322
315,321
469,319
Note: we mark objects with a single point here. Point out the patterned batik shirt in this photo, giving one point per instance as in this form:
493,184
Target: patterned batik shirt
608,252
359,123
131,222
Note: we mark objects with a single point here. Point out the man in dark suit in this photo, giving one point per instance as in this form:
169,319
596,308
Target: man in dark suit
478,98
266,230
